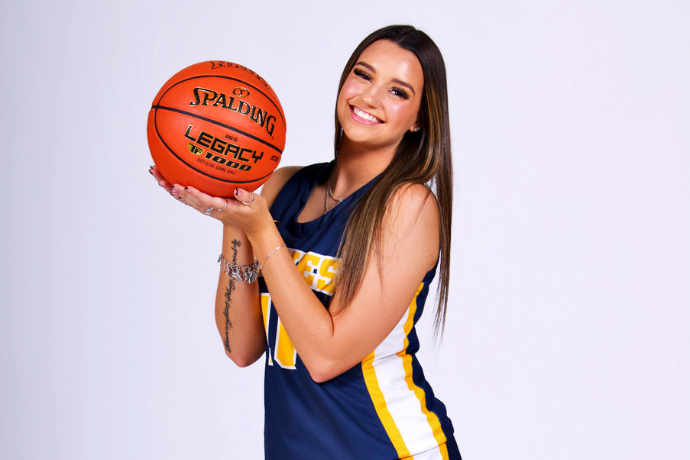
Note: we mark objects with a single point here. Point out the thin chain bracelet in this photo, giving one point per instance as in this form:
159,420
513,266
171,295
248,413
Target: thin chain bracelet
247,273
269,255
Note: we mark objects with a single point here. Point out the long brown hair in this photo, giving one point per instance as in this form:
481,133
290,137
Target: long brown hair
422,157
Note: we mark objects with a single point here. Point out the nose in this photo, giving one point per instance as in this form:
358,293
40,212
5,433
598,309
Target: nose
371,96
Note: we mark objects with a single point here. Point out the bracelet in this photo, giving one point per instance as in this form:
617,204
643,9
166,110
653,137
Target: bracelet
247,273
269,255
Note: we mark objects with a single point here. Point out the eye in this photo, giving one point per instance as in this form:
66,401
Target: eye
362,74
401,93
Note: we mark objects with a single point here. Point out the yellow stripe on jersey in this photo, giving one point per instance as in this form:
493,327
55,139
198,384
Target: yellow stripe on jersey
432,454
432,418
380,405
266,312
444,451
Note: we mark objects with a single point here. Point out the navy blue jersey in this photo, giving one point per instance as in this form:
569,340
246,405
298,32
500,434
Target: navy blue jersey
383,407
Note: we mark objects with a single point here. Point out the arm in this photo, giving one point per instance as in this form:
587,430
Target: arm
238,303
329,343
237,307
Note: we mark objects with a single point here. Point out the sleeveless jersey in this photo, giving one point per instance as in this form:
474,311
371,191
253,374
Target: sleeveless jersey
383,407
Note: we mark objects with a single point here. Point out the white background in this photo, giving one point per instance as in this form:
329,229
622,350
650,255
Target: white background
568,332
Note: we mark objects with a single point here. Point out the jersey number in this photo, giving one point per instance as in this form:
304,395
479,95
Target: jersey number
284,353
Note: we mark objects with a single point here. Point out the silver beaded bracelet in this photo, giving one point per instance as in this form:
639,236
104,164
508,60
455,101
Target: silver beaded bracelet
247,273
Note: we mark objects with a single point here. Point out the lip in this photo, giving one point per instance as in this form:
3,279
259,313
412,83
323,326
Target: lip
361,120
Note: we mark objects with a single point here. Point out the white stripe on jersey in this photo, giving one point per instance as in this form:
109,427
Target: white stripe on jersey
403,400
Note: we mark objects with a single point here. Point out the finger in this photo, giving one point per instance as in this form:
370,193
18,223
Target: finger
153,170
244,197
197,198
160,179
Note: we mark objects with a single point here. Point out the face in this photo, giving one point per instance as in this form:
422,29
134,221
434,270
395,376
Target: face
380,98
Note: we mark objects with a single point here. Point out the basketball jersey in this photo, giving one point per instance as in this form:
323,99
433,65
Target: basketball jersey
382,408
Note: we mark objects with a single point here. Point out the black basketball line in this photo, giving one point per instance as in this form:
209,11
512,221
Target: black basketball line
199,117
155,124
228,78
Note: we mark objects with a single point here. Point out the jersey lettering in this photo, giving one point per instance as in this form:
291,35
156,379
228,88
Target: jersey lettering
318,270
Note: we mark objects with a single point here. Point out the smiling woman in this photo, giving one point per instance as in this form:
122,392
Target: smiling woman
348,251
384,91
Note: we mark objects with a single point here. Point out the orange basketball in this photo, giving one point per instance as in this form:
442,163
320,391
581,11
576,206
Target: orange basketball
216,126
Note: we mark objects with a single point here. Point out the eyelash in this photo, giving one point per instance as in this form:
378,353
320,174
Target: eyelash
362,74
399,92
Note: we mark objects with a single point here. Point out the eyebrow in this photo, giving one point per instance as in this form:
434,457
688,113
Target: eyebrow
395,80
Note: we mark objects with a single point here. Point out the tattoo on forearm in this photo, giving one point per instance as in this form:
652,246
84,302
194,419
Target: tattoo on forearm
228,297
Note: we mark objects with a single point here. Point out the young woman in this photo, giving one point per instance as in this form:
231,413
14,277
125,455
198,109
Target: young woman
348,249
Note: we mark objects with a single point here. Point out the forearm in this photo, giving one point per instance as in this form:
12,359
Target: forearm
238,307
308,323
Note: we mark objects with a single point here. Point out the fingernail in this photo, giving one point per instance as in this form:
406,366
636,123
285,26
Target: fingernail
235,192
186,188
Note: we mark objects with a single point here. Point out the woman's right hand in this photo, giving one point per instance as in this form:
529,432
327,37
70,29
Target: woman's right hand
160,179
202,202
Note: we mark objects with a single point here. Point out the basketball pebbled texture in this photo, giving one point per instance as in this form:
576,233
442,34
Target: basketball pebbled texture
216,126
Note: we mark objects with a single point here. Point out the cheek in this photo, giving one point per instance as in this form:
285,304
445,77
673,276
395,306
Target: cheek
342,104
347,92
405,114
343,113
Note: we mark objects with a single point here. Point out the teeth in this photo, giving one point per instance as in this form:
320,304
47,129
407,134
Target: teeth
366,116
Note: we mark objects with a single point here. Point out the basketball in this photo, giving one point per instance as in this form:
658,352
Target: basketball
216,126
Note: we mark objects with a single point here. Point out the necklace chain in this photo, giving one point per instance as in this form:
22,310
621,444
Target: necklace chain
329,193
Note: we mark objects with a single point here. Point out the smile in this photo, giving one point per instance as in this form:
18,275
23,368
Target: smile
365,116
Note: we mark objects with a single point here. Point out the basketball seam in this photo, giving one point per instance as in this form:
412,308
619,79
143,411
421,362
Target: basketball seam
280,112
155,124
199,117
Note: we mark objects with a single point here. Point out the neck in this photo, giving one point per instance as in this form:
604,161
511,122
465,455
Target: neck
356,166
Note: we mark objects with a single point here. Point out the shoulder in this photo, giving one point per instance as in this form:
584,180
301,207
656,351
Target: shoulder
412,202
276,182
413,222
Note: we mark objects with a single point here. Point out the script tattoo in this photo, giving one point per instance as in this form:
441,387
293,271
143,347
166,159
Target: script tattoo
228,297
